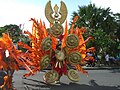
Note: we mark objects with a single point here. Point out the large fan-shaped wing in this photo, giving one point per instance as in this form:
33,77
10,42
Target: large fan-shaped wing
63,12
49,12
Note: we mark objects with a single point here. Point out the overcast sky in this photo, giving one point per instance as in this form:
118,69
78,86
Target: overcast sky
20,11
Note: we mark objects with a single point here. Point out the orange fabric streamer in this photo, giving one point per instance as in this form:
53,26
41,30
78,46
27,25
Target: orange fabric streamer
79,68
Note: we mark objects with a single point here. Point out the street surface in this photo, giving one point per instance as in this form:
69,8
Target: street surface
97,80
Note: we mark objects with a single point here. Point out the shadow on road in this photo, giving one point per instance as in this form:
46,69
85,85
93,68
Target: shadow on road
62,86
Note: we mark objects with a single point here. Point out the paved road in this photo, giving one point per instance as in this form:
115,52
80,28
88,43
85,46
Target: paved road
97,80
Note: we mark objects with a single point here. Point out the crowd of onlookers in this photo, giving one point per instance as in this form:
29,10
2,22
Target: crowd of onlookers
112,60
104,60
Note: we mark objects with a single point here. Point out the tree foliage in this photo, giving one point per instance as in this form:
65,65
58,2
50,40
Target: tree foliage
15,33
102,24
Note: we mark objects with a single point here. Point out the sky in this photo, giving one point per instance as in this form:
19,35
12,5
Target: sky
20,11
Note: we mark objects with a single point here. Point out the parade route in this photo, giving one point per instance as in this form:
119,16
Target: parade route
97,80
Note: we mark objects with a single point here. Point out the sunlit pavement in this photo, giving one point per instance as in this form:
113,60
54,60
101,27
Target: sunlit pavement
97,80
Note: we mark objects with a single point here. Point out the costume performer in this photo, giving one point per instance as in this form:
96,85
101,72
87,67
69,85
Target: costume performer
54,47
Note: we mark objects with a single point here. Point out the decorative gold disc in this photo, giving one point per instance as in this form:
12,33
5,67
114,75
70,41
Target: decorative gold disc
74,58
60,55
46,44
51,76
73,75
72,41
45,62
56,30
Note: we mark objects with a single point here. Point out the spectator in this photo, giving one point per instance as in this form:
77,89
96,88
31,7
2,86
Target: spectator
111,60
96,57
118,56
107,59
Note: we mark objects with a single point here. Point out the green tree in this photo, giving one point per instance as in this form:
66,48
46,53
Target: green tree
15,33
101,24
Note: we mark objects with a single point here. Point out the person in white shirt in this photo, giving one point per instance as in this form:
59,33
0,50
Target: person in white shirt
107,59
